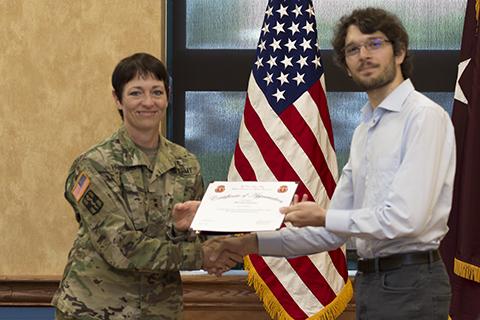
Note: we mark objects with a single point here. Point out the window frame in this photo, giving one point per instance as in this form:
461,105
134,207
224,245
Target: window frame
212,69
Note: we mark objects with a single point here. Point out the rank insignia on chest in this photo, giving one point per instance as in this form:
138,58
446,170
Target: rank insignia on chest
92,202
81,185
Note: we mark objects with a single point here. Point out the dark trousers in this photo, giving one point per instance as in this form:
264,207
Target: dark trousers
420,291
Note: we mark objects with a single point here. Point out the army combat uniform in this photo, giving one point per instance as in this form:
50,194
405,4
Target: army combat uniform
125,261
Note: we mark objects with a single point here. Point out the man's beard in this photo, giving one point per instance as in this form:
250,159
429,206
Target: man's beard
382,80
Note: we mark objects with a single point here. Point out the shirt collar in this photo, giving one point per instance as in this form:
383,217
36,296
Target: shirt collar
393,102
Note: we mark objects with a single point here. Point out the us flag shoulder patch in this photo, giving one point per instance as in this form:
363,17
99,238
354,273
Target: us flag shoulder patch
81,185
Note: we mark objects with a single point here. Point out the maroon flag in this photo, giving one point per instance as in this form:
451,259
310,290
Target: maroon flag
286,135
461,247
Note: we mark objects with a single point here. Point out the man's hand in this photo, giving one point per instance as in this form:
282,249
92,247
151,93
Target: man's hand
305,213
296,198
183,214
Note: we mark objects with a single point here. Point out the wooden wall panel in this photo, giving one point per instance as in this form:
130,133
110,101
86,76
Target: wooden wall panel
57,57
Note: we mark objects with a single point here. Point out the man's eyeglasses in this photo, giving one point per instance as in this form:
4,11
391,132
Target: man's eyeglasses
371,45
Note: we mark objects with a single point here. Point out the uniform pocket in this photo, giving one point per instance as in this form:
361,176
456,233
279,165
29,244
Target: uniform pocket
158,215
134,195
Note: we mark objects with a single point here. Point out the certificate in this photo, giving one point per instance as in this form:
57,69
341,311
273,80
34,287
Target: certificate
243,206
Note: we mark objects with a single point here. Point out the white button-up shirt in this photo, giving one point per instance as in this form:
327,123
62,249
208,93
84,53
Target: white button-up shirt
395,192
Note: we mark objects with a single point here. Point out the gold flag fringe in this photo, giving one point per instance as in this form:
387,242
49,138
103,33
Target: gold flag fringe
466,270
276,311
477,9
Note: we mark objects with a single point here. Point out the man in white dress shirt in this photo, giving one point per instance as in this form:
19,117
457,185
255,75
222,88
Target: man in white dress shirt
395,192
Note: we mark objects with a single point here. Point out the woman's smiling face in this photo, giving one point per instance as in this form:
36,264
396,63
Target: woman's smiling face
144,102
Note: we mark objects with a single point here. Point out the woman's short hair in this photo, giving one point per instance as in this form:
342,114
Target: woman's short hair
138,65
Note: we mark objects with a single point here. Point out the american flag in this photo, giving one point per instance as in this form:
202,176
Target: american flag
80,186
286,135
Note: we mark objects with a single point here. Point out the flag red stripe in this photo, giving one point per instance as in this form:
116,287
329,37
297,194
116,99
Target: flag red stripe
275,160
242,165
338,259
272,155
276,287
313,279
307,140
318,95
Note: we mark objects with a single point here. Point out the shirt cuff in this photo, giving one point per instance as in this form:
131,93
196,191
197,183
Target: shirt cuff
270,243
337,221
192,255
178,236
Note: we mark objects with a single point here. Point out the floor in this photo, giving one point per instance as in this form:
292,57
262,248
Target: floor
26,313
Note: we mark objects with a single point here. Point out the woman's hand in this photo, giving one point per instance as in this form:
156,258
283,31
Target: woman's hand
183,214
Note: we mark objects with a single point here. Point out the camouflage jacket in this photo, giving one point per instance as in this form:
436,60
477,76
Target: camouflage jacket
123,264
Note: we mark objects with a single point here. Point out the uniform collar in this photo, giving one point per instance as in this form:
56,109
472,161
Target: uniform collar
133,156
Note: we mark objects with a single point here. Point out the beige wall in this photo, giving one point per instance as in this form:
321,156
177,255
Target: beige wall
56,59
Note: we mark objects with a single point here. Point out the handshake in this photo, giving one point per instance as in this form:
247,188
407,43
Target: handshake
220,254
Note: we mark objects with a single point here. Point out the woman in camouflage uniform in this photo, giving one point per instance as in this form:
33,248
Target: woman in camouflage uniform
126,258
